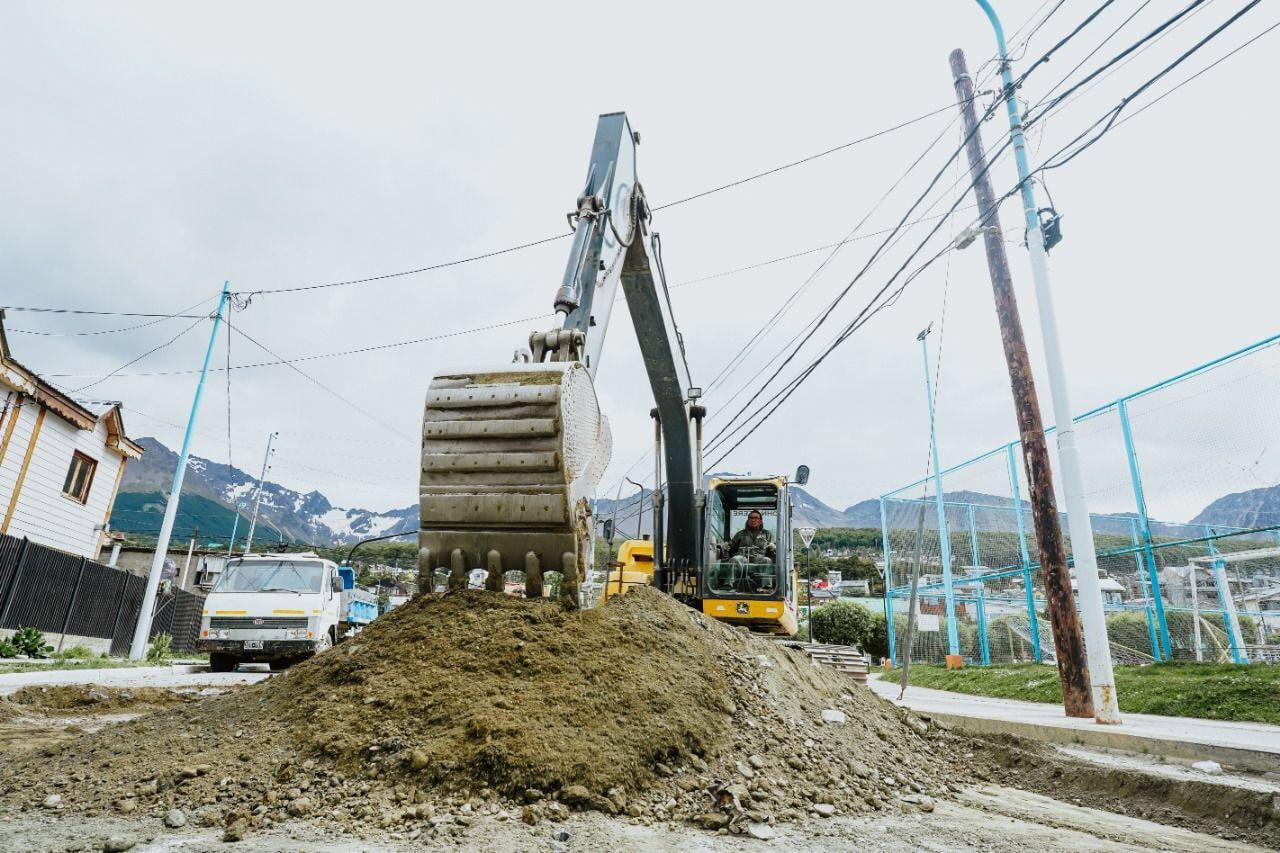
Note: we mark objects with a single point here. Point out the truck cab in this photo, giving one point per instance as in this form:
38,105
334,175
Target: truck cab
279,609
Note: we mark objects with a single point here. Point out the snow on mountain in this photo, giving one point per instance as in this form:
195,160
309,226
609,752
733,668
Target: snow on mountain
293,516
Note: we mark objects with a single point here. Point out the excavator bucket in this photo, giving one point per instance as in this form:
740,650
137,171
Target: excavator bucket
510,459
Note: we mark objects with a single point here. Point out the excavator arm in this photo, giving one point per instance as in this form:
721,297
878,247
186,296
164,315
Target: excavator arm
511,455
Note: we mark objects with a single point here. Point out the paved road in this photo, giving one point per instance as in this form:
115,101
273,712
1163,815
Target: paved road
1251,746
141,676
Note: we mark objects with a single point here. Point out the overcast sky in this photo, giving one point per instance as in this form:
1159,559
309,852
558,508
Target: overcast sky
154,150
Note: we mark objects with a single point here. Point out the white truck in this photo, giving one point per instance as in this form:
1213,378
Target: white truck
280,609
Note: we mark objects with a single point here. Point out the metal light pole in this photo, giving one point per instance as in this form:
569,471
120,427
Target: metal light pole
640,501
806,535
257,501
142,630
944,535
1097,644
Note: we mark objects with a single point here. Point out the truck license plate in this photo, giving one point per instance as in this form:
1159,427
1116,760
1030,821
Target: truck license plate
253,644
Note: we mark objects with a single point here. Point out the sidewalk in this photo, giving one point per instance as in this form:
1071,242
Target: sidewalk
1244,746
140,676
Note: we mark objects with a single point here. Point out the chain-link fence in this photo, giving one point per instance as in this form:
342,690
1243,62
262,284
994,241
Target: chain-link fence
1183,478
74,597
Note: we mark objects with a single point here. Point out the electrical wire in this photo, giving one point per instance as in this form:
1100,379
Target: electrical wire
307,376
754,340
1108,119
323,355
41,310
732,184
139,358
1095,51
1208,67
760,415
1029,120
161,319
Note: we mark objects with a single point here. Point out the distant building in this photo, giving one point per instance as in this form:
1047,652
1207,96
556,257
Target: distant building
197,574
855,588
60,461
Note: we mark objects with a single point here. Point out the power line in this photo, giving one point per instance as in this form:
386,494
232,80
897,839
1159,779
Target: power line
322,386
1094,52
831,307
39,310
323,355
803,160
1108,119
754,340
1208,67
726,432
1012,38
1038,111
161,319
668,205
860,320
141,357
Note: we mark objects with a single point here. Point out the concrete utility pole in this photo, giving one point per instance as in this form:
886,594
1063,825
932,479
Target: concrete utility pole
1067,640
142,630
257,501
1092,613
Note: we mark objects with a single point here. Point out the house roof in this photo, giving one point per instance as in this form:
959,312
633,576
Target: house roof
29,382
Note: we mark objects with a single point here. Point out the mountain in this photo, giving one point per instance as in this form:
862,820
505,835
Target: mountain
806,511
211,490
1254,508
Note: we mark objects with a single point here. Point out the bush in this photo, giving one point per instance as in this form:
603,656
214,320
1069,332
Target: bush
30,642
161,651
846,623
8,649
76,653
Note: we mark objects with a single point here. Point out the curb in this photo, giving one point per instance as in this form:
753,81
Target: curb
1255,760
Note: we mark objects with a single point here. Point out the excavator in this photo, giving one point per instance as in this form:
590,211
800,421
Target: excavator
512,453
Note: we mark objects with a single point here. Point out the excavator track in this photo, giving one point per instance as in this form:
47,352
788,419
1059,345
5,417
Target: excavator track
510,459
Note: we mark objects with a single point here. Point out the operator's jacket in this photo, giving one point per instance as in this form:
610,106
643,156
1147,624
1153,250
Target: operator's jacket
761,540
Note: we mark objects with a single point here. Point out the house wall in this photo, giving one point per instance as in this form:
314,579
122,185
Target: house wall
43,513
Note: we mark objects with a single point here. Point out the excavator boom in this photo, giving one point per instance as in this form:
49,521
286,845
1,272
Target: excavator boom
512,454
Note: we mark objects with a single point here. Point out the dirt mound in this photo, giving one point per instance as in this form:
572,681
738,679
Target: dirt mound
94,699
469,703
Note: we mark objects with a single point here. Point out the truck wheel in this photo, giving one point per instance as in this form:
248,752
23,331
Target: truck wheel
222,662
324,643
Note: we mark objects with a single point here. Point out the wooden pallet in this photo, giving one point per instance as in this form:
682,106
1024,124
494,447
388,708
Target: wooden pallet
849,660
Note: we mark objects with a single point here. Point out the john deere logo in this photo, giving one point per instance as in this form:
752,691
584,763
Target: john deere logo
257,621
744,608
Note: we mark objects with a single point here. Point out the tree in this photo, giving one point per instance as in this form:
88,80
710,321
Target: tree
847,623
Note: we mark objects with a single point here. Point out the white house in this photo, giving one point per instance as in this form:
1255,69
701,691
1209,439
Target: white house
60,462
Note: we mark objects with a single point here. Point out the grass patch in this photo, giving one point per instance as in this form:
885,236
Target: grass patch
1210,691
89,663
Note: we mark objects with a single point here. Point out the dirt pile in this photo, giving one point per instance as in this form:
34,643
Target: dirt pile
94,699
453,707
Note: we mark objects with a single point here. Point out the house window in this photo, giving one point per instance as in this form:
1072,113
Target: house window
79,477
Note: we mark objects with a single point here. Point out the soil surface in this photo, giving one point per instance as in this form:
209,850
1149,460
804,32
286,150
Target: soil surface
994,819
480,720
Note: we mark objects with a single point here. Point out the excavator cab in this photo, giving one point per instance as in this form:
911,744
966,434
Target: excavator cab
749,577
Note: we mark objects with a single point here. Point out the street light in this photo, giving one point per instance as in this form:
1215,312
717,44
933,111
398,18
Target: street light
1093,618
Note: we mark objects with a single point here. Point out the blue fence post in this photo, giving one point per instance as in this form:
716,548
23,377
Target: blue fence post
1144,523
984,649
888,577
1146,592
1230,622
1022,550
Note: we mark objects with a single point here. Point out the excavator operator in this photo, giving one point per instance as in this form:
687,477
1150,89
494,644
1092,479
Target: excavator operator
753,544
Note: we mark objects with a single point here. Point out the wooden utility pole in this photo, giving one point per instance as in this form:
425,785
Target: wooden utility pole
1067,640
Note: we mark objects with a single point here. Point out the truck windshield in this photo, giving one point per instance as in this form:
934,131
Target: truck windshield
271,576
